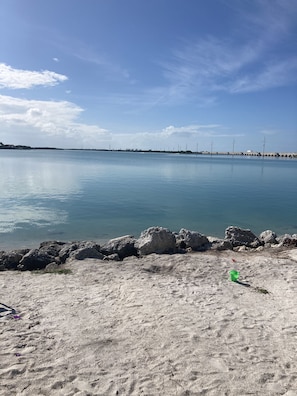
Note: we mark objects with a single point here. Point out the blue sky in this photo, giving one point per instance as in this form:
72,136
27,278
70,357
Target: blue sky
149,74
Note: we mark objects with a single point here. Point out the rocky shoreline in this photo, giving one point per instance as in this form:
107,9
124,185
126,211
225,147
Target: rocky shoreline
51,254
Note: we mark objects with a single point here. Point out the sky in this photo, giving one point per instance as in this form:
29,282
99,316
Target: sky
200,75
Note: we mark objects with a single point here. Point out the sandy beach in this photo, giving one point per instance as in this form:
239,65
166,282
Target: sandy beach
158,325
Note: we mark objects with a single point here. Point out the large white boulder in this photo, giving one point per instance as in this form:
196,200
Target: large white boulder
156,240
268,236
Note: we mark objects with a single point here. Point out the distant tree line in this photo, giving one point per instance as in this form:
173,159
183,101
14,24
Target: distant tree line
14,147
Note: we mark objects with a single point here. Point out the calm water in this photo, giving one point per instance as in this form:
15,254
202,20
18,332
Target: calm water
78,195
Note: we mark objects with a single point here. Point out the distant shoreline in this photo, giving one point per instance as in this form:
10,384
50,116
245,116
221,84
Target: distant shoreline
188,152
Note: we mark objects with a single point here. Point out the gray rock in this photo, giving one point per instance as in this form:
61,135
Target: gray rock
123,246
51,247
156,240
191,239
66,250
10,260
221,244
112,257
35,260
52,267
241,248
261,248
268,236
287,240
241,237
87,250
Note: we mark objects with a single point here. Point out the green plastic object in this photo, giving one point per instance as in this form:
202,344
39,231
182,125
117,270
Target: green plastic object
234,275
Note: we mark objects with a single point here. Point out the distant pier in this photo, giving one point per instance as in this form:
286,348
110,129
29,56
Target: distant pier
254,154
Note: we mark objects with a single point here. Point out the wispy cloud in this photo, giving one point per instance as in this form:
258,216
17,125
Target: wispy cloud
270,132
25,79
190,130
175,137
253,60
195,130
274,17
111,68
272,75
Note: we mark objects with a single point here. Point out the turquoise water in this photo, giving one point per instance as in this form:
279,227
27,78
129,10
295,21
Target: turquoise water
79,195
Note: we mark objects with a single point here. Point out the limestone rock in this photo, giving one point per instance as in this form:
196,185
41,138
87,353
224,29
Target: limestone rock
241,248
52,267
261,248
156,240
241,237
66,250
87,250
84,253
221,244
123,246
191,239
112,257
287,240
51,247
268,236
35,259
10,260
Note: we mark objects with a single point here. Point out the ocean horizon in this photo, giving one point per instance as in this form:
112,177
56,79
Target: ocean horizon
72,195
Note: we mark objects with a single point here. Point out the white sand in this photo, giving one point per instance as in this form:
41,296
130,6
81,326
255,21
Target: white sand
160,325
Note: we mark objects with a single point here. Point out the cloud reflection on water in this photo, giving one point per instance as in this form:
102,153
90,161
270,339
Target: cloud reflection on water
18,216
31,191
32,179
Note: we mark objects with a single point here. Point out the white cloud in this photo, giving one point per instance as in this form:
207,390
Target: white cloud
52,123
190,130
49,119
56,60
36,112
18,78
